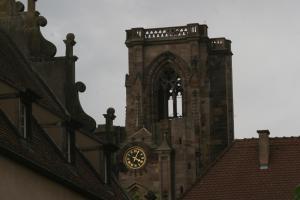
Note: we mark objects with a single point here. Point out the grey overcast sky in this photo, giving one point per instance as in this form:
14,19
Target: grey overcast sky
265,37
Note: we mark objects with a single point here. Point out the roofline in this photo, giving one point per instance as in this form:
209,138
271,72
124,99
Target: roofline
209,167
27,64
223,153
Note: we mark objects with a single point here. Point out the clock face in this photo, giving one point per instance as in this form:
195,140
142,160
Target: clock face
134,158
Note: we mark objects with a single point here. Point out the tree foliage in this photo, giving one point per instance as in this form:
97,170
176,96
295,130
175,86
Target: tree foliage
297,193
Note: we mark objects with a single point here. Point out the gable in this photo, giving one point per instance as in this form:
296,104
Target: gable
15,69
141,135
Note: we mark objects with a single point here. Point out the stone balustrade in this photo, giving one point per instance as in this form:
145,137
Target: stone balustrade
190,31
166,33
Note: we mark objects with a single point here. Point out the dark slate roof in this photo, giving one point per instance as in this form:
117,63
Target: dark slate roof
40,154
236,174
16,71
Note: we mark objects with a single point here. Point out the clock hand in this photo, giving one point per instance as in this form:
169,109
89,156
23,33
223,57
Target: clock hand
139,160
134,158
137,153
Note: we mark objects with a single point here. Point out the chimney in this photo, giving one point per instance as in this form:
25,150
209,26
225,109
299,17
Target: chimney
263,148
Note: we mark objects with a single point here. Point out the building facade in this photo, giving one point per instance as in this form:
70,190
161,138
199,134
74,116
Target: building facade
47,146
179,108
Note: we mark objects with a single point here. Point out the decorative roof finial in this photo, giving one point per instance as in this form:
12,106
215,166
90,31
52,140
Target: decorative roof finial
109,118
31,5
20,6
110,114
70,43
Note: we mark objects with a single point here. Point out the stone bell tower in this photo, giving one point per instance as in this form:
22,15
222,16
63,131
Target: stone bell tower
179,92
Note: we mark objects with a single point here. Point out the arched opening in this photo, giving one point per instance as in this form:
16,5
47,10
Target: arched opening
170,93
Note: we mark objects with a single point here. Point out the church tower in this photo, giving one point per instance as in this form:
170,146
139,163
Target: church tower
179,108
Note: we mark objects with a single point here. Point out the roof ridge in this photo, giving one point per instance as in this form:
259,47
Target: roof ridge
276,137
285,137
246,139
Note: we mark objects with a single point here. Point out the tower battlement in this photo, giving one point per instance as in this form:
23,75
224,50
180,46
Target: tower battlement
176,34
166,33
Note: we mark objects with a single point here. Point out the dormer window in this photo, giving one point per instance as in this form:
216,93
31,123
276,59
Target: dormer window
25,112
70,145
69,157
23,120
24,115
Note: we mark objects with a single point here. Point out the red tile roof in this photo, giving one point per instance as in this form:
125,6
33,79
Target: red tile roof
236,175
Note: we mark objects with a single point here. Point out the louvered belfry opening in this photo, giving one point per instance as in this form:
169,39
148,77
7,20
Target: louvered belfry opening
170,92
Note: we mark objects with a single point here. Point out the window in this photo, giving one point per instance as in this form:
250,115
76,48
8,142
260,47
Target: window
23,119
138,111
69,147
181,189
70,143
189,165
170,107
170,94
179,140
179,104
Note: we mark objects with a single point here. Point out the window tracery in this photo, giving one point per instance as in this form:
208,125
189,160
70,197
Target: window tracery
170,92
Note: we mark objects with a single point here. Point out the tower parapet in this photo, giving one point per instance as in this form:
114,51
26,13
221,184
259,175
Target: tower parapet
165,33
217,44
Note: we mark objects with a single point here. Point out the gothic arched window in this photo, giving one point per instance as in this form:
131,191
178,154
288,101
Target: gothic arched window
170,92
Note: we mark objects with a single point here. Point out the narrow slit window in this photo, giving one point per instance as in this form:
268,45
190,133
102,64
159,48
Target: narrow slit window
137,105
179,104
70,143
23,120
170,107
69,150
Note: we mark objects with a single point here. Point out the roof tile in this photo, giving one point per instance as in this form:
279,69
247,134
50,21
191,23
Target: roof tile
236,174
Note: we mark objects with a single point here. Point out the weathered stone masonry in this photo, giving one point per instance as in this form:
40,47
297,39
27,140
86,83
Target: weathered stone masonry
179,84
